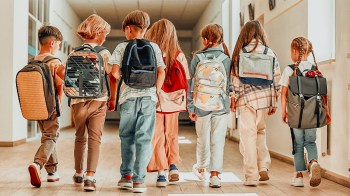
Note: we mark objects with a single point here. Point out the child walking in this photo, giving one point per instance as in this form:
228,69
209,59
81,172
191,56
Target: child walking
89,114
300,50
209,102
50,39
165,140
137,105
254,101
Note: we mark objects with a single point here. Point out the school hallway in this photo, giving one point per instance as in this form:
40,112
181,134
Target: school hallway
14,176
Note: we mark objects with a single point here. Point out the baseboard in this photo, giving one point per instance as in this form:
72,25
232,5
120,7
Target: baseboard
14,143
331,176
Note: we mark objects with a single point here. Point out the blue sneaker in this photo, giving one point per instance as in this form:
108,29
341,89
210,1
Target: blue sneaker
173,173
161,181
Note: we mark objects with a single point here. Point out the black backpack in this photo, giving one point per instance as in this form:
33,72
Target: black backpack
139,66
85,75
36,92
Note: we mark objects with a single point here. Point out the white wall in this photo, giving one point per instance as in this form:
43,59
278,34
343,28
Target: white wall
212,14
63,17
14,23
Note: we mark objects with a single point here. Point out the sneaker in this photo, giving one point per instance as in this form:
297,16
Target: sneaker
125,182
201,175
78,179
215,182
161,181
89,183
250,183
173,173
34,172
315,174
297,182
139,187
264,176
53,177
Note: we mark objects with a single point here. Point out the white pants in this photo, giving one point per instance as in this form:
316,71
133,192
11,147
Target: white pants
211,132
252,143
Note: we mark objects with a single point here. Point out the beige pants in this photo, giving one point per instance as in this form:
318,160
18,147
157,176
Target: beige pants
46,154
252,143
165,142
89,118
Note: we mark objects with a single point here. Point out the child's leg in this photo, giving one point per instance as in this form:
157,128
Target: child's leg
143,136
50,133
248,142
51,164
128,118
217,138
310,144
203,127
97,115
80,111
299,142
264,159
159,160
171,136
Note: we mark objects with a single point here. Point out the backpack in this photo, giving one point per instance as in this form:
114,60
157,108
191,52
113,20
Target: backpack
173,96
36,90
210,81
85,75
256,69
139,65
306,106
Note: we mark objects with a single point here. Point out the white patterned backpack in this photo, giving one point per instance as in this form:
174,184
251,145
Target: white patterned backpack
210,81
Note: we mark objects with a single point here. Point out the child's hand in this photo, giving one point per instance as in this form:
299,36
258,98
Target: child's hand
285,117
111,105
272,110
192,116
233,106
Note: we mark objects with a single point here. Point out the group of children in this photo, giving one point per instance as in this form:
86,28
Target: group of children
149,139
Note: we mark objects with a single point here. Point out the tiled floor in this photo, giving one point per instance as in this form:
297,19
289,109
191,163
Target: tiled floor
14,178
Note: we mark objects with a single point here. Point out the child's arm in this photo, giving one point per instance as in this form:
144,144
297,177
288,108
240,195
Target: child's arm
114,77
160,78
284,100
190,106
59,87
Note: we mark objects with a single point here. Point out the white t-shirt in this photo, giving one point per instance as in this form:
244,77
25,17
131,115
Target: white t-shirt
287,72
126,91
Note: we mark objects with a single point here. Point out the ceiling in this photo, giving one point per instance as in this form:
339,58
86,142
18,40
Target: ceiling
183,13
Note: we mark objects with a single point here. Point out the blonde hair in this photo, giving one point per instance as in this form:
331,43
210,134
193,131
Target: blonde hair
251,30
303,46
93,25
163,33
215,35
136,18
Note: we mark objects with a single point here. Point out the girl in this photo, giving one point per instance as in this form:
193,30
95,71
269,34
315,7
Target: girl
211,126
253,104
165,139
300,50
89,114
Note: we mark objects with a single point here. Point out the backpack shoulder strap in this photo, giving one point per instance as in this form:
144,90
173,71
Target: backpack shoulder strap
244,50
98,49
298,70
222,57
313,68
266,50
49,58
201,56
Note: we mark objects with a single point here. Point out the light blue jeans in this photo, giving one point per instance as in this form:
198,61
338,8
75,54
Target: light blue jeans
304,138
136,128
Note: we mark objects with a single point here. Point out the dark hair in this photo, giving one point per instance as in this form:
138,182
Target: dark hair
251,30
215,35
49,31
136,18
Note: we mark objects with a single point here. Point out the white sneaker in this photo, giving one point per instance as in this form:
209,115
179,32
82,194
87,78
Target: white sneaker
315,174
53,177
215,182
34,172
250,183
200,175
297,182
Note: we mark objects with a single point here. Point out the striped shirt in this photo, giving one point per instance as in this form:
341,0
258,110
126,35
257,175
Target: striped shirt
257,97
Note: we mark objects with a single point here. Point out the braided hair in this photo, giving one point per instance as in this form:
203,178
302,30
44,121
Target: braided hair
303,46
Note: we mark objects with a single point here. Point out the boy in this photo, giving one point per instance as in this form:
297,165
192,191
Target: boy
50,39
138,108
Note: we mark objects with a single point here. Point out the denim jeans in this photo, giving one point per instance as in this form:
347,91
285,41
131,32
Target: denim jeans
137,121
211,132
304,138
